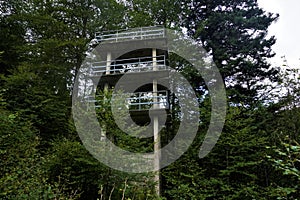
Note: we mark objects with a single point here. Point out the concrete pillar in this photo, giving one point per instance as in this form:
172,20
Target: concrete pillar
154,59
108,62
156,128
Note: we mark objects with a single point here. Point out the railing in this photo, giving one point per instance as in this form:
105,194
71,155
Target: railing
122,66
147,100
131,34
139,100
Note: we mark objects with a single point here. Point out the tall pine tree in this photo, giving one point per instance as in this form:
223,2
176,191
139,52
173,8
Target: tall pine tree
235,34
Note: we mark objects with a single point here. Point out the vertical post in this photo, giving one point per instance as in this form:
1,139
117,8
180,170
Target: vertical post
154,60
155,128
140,101
106,87
108,62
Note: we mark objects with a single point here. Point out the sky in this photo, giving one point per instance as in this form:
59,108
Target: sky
286,30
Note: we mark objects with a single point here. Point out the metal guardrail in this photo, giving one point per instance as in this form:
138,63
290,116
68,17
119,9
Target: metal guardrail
131,34
140,100
147,100
122,66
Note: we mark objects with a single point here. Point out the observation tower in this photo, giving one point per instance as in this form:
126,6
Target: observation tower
145,64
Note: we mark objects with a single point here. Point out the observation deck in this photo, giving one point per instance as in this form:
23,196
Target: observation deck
139,104
149,67
130,65
143,33
138,101
128,40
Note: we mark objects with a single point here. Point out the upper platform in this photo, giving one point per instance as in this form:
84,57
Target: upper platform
120,41
142,33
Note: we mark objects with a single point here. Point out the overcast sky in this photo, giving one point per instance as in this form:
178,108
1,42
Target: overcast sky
286,29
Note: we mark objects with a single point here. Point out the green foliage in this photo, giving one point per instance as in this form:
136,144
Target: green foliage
286,160
235,34
21,167
29,94
149,13
233,170
11,34
76,172
288,166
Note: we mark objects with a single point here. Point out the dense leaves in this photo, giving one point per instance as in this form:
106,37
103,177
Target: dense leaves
235,32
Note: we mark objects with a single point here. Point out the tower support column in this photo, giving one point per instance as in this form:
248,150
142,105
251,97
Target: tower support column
108,62
156,128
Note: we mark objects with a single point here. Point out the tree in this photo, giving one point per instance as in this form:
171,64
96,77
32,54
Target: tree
235,169
235,34
12,33
150,13
55,37
284,151
21,167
